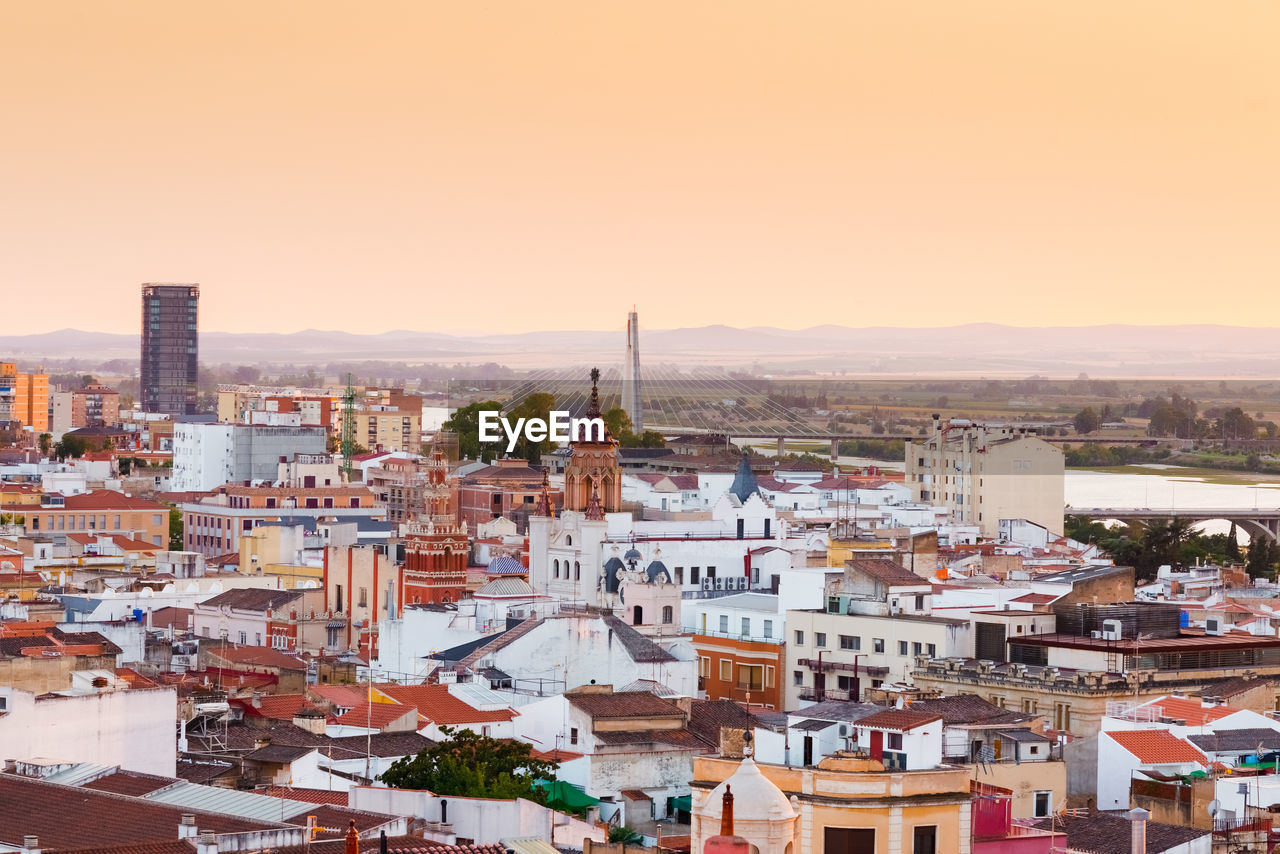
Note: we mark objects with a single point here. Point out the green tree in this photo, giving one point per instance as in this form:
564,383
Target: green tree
621,833
1261,559
175,530
1087,420
621,428
473,766
1235,424
465,423
1233,545
46,443
70,445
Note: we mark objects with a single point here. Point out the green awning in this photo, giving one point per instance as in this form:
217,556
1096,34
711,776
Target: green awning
562,795
684,802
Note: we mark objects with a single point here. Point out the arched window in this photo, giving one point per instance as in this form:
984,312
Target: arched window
556,568
568,539
637,616
667,615
577,571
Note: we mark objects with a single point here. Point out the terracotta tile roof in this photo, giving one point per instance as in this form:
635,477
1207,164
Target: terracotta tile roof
1192,711
135,679
173,846
1157,747
128,544
130,783
345,696
281,707
556,755
101,819
678,738
202,771
1102,833
1228,688
257,656
311,796
435,703
1036,598
706,717
252,599
106,499
375,715
887,571
966,709
395,845
897,720
632,704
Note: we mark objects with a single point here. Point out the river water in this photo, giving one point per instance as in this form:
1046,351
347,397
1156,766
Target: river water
1156,486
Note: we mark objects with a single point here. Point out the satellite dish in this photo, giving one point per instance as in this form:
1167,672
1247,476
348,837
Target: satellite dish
1214,806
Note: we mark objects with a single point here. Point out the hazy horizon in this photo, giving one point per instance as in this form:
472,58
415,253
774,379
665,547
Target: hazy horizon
545,164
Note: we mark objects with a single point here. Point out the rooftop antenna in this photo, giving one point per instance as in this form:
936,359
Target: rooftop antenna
348,429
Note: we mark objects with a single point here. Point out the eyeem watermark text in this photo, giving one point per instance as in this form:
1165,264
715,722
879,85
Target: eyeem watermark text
559,427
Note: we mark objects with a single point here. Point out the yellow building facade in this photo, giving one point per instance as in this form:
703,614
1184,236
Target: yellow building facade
852,804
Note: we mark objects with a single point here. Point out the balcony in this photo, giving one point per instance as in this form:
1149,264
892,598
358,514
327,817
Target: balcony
824,666
737,636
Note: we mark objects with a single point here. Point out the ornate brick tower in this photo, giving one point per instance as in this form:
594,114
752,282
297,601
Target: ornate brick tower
593,468
436,544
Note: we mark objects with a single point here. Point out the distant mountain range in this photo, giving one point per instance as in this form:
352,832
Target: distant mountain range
987,348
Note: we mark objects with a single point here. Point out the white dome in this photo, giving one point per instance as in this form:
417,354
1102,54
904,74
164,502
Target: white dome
754,797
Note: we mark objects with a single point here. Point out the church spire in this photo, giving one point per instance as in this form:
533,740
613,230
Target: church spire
593,411
543,507
595,510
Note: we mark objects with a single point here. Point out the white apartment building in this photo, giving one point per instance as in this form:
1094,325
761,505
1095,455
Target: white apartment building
205,456
984,474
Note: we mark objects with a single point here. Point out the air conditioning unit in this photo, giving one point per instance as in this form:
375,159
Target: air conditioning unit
1213,626
1095,634
742,583
708,583
1111,629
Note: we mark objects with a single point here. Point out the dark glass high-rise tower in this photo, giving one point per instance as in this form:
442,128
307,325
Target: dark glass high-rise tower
170,347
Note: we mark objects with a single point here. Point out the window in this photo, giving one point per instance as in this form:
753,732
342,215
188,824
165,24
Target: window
724,623
893,740
902,647
726,670
820,639
768,677
704,667
746,627
850,642
997,701
555,569
1044,804
257,638
577,571
244,638
768,628
919,601
573,735
799,638
1062,716
750,677
917,648
877,644
797,676
848,840
667,613
339,599
364,597
694,577
933,650
925,841
1028,707
679,575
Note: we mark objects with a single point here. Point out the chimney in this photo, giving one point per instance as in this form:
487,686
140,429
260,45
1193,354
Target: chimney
187,827
726,813
352,840
1138,830
256,699
30,845
207,844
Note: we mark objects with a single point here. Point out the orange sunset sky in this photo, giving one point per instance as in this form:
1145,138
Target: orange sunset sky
501,166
